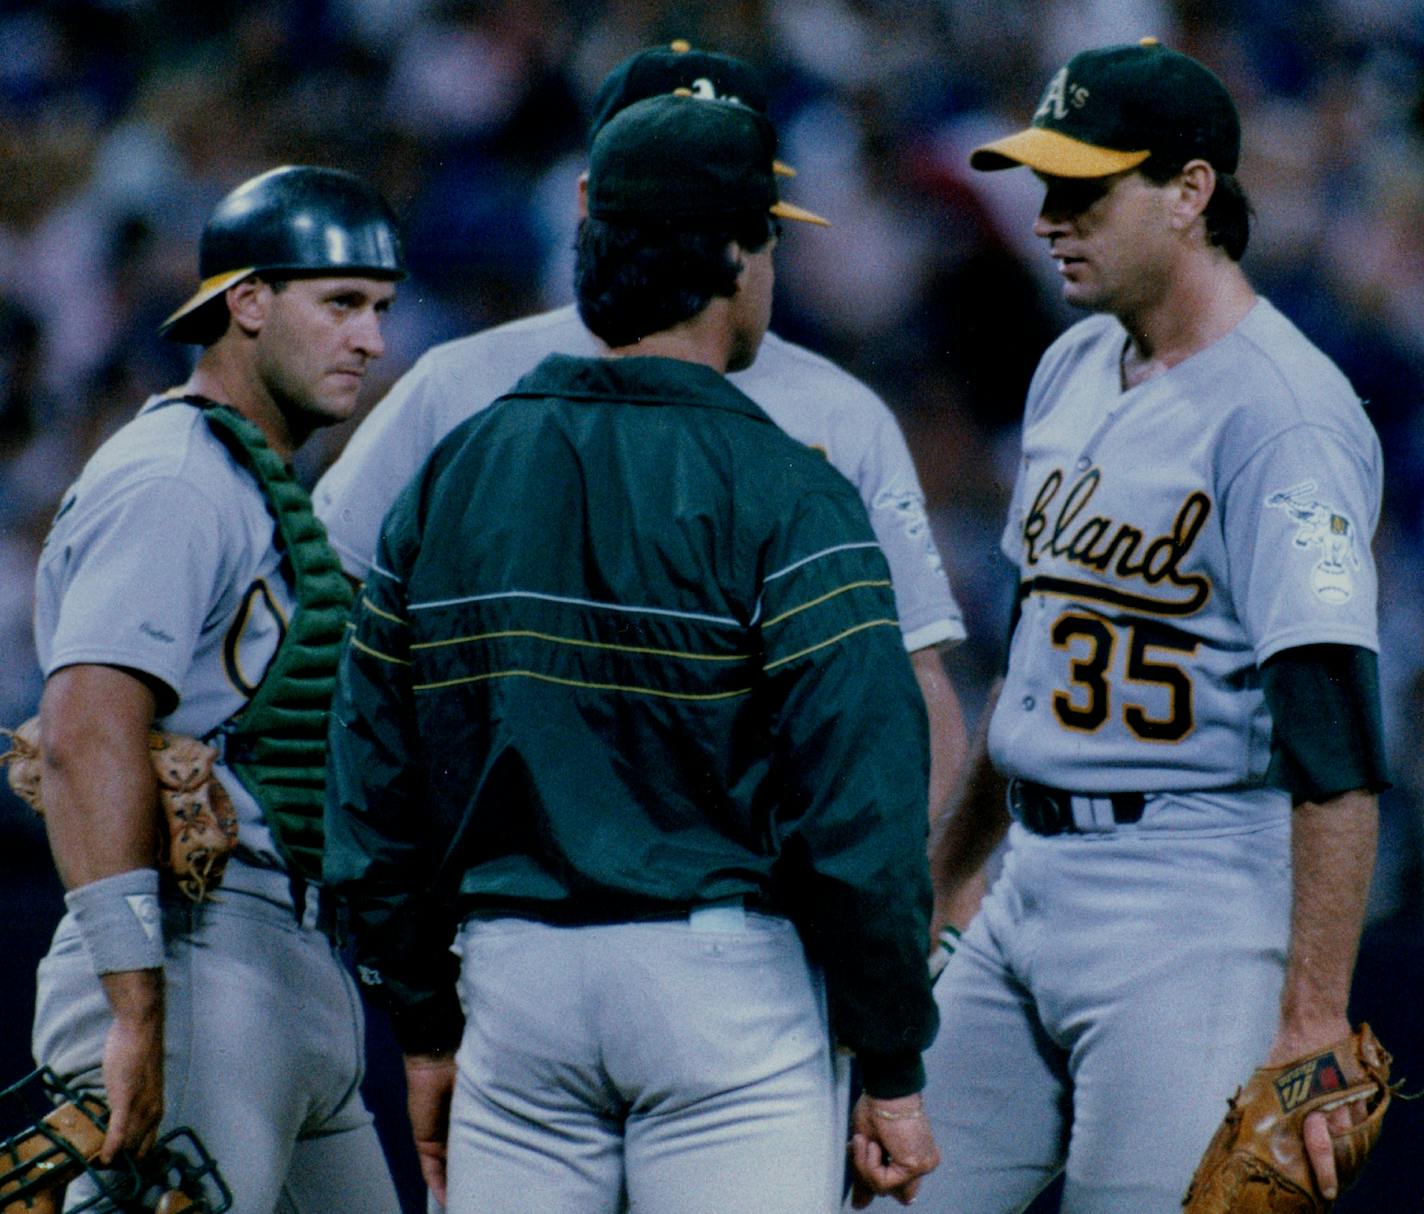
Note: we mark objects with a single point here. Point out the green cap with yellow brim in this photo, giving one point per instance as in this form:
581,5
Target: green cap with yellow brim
1109,109
679,158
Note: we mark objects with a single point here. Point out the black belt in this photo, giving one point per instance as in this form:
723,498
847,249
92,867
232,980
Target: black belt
1049,811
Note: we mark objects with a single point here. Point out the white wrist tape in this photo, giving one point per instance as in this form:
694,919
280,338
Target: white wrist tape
948,942
119,920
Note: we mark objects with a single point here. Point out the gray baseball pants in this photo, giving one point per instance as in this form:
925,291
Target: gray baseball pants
670,1067
1114,990
263,1047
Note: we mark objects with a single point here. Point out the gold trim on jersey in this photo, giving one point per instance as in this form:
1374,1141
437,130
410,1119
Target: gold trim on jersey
1053,528
1145,671
232,641
1096,675
1089,673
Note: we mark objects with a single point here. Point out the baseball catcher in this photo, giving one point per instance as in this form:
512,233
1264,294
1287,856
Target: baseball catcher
57,1147
230,638
1267,1159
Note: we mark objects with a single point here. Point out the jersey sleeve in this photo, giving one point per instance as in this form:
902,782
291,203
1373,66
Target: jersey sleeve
849,781
1298,521
138,575
384,453
890,488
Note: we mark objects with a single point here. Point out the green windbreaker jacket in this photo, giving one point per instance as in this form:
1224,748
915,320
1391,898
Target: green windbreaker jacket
628,648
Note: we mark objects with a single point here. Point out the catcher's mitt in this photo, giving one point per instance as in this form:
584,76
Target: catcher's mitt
201,827
1257,1163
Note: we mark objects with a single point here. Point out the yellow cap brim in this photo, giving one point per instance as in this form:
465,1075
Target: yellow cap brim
209,288
789,210
1053,153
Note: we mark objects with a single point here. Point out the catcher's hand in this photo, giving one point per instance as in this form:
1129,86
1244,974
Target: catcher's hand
200,826
60,1145
1257,1163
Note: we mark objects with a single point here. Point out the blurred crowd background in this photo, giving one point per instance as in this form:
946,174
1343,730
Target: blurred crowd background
123,121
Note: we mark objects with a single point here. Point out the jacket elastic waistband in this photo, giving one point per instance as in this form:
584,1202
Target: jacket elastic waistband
562,915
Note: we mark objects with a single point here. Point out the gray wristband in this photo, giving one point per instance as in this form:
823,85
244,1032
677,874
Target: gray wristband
119,921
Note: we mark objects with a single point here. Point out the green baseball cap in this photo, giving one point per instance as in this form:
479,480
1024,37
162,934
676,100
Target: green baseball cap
679,66
1110,109
683,158
665,69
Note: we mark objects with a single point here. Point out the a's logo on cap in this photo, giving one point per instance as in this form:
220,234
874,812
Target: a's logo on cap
707,91
1059,96
704,90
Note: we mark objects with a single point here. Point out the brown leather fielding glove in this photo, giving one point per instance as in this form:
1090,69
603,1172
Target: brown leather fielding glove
1257,1163
200,826
26,763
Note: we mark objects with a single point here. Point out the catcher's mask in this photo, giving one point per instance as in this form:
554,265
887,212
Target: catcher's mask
54,1136
298,220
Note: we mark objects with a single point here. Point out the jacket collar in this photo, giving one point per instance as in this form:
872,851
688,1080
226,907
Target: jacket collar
636,381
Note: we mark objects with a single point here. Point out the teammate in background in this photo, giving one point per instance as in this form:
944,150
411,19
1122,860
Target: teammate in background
186,584
625,701
810,398
1190,720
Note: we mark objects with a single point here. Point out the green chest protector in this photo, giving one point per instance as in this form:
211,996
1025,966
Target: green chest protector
276,744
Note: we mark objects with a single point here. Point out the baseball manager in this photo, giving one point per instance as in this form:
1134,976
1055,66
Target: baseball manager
627,703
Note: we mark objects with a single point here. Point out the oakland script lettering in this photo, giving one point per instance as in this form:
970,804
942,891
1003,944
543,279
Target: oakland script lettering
1058,524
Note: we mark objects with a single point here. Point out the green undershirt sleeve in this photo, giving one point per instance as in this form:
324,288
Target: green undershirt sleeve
1327,737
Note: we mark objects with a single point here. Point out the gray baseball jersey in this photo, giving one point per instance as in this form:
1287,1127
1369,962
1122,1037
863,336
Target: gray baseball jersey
161,560
1169,540
807,396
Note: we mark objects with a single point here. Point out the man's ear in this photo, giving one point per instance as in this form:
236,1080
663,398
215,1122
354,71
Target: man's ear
1195,185
737,255
583,195
248,302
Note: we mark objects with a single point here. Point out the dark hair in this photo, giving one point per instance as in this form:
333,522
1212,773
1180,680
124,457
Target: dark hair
1228,212
636,279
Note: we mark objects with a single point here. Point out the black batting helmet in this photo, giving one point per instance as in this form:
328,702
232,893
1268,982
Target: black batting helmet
293,221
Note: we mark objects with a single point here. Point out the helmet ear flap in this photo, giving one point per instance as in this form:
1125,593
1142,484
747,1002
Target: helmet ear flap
55,1134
